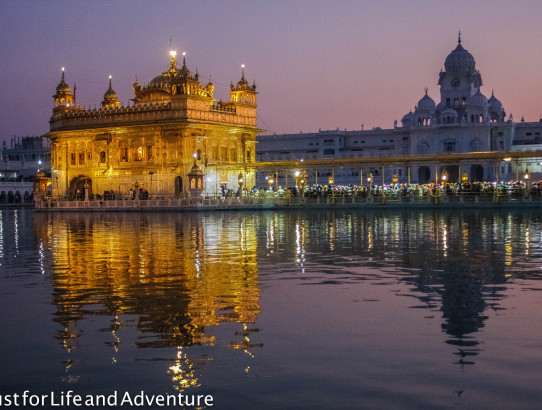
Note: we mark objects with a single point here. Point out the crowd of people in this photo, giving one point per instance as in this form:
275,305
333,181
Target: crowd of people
512,188
405,190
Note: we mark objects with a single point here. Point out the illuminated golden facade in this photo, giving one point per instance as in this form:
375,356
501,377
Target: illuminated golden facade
153,143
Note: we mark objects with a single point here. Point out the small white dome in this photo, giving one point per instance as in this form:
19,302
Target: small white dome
426,103
478,100
408,117
494,103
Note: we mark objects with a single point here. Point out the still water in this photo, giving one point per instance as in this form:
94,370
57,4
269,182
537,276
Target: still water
276,310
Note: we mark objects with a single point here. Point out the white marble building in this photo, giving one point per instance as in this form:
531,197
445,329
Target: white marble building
464,120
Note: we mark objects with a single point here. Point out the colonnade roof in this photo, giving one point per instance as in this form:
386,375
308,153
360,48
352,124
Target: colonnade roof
492,156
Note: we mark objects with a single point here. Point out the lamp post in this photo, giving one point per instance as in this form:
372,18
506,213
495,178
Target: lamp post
240,180
370,181
270,181
303,180
444,178
526,177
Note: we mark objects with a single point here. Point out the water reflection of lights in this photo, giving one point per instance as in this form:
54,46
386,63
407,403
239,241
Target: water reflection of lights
465,235
116,340
370,239
16,236
270,235
183,372
42,257
527,241
445,240
197,264
246,343
1,235
332,236
300,245
508,242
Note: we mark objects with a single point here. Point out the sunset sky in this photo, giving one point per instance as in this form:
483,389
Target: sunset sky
317,64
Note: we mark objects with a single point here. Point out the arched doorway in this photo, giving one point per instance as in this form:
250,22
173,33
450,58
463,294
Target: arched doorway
178,186
477,173
77,188
424,173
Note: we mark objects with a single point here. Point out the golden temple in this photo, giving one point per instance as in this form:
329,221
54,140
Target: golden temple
174,123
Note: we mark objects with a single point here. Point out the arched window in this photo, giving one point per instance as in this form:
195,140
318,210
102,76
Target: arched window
178,186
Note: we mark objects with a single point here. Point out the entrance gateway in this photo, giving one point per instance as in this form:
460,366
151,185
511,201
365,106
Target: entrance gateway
77,187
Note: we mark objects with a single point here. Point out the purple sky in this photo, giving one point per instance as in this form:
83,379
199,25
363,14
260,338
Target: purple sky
317,64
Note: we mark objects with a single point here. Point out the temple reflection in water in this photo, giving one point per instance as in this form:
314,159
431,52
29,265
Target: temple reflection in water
455,263
177,274
173,277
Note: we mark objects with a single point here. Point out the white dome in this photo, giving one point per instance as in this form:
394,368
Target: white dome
478,100
459,60
494,103
408,117
426,103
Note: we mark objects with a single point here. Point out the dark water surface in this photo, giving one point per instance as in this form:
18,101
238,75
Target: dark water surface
276,310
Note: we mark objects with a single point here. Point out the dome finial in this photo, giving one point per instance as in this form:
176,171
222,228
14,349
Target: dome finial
173,62
62,73
425,89
184,59
242,71
111,99
459,37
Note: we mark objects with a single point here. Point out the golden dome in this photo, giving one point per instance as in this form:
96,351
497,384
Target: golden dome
63,87
242,84
111,99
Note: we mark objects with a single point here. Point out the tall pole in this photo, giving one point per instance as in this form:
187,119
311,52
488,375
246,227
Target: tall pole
408,171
